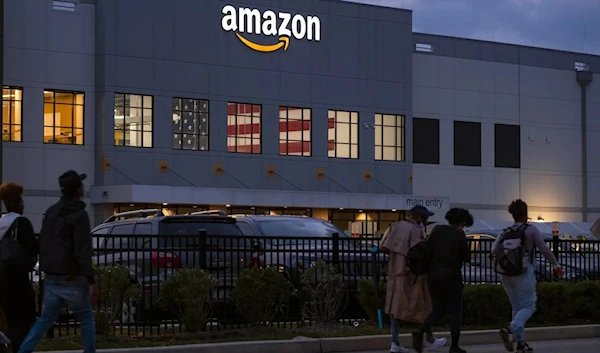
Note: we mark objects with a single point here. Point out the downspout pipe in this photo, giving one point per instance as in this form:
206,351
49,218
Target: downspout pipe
584,78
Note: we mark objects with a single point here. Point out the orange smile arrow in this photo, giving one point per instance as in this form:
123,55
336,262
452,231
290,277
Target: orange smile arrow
284,42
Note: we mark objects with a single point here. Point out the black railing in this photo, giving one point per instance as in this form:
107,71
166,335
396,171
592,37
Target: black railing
151,260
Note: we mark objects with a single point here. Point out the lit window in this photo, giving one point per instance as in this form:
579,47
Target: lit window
63,117
190,124
243,128
389,138
343,134
294,131
12,111
133,117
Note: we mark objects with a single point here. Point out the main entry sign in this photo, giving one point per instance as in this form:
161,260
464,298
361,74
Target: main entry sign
280,25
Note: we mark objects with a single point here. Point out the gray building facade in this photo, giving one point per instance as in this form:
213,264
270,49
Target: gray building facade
272,105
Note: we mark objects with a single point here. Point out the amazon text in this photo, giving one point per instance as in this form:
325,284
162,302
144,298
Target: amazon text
245,20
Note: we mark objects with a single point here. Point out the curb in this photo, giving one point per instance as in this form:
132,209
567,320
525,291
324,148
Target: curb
364,343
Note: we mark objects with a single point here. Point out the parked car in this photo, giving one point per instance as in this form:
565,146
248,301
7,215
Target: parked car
153,246
309,241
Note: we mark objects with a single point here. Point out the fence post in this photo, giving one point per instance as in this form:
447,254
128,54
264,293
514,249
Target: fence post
202,243
335,248
555,246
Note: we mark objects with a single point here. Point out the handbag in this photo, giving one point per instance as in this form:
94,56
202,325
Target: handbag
12,253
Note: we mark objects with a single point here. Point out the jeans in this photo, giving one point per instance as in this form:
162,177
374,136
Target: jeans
446,299
58,290
522,296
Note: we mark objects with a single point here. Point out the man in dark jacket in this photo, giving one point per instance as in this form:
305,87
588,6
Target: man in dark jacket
66,261
448,249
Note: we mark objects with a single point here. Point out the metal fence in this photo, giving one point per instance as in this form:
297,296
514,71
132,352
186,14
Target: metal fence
153,259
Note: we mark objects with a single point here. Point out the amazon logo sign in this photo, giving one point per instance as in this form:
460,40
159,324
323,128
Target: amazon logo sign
281,26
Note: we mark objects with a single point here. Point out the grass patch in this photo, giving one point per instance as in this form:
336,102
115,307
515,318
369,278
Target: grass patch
246,334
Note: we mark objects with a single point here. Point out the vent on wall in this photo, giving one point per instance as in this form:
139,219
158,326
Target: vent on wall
64,6
427,48
579,66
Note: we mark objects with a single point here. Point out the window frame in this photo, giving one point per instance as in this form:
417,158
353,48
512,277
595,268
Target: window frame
181,111
10,116
286,141
125,119
396,146
73,105
252,138
335,129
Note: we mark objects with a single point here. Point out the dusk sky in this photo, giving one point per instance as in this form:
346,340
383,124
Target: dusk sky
572,25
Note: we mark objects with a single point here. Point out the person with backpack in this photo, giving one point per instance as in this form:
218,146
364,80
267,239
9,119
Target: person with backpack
407,297
19,249
513,257
66,260
446,251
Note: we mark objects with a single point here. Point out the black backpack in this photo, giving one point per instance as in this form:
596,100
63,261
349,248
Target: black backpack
419,258
510,256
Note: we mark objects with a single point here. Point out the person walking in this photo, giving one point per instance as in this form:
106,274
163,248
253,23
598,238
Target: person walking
514,259
447,250
19,249
66,260
407,297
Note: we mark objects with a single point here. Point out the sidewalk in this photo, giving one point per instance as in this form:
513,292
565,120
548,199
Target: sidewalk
367,343
575,346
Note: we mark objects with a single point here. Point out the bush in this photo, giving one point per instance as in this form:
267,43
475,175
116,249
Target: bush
116,289
260,294
487,305
323,293
367,299
188,295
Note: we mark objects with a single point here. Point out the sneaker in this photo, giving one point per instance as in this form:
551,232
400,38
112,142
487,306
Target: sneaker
507,339
437,343
457,350
526,347
398,348
520,348
417,341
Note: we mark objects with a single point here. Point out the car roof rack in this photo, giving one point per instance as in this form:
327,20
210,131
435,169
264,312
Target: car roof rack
134,214
208,213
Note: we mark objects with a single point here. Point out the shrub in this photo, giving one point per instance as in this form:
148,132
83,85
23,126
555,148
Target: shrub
323,293
116,289
367,299
260,294
487,304
188,295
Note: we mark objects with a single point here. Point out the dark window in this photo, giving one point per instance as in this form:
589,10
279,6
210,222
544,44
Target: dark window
507,140
143,229
190,124
246,228
467,144
426,141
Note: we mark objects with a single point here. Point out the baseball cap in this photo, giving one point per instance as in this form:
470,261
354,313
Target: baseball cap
421,211
71,180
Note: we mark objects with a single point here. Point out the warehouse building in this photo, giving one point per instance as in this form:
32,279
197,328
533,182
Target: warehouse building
315,107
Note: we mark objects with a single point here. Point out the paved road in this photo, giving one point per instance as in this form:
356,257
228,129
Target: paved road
570,346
